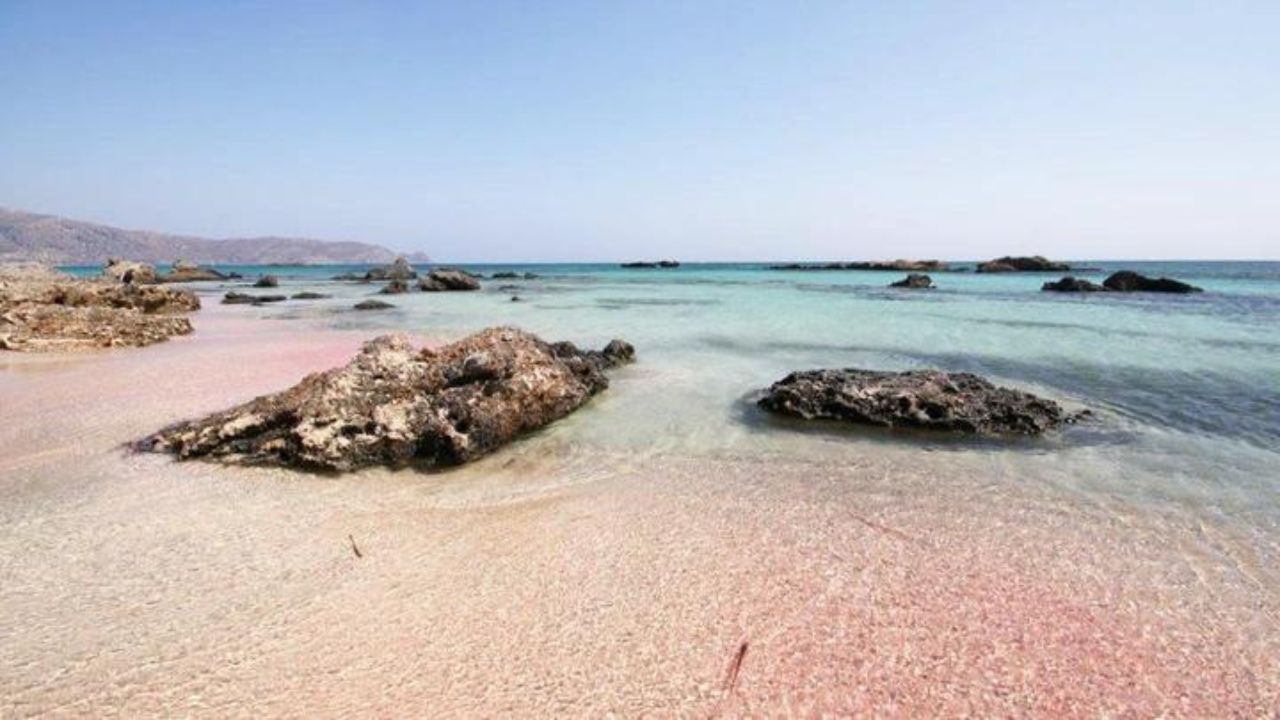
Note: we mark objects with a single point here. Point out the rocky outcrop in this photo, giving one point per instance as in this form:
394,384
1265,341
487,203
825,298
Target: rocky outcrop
651,264
396,405
1129,281
41,310
1072,284
926,399
914,281
372,305
127,271
395,287
880,265
398,270
1035,263
444,279
239,298
267,281
183,271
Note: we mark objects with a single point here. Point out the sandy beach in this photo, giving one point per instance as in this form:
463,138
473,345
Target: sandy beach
555,578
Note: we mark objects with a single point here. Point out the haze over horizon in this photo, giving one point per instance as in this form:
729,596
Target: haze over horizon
703,131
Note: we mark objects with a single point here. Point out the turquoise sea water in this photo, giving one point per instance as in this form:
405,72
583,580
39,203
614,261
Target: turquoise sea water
1186,389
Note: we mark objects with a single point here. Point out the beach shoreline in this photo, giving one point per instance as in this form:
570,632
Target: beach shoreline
562,577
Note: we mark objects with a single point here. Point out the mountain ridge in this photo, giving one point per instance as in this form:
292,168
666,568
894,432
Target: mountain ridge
29,236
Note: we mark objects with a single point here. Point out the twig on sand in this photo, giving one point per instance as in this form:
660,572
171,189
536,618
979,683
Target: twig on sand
731,679
355,548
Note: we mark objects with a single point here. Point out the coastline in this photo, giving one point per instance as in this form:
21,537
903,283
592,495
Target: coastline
560,576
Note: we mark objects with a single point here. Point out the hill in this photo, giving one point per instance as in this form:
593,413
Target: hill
47,238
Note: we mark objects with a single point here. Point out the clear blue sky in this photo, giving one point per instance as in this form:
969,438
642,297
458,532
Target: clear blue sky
620,130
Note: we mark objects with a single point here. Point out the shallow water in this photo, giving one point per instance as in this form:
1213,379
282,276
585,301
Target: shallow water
617,560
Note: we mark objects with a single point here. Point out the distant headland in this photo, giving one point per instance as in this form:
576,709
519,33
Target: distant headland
27,236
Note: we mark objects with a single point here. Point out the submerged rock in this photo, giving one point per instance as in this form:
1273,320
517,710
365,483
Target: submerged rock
1129,281
1072,284
398,270
899,265
1035,263
373,305
127,271
396,405
310,296
239,298
267,281
929,399
914,281
651,264
444,279
395,287
41,310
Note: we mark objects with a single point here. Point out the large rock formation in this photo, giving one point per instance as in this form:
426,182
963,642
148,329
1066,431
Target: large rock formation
443,279
41,310
914,281
1036,263
1129,281
1071,284
398,270
929,399
396,405
127,271
879,265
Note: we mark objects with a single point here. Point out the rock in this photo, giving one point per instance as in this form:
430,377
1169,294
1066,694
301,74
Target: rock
530,276
396,405
127,271
239,298
446,279
506,276
41,309
310,296
395,287
887,265
1072,284
350,276
1036,263
1129,281
929,399
183,271
398,270
914,281
267,281
373,305
649,264
516,298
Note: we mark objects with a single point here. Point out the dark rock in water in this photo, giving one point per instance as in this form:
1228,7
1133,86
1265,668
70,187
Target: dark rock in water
373,305
508,288
267,281
1129,281
651,264
183,271
396,405
1072,284
395,287
358,277
445,279
505,275
930,399
239,298
1036,263
398,270
530,276
914,281
883,265
310,296
516,298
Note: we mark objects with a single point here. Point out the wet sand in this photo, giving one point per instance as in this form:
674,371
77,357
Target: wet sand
560,578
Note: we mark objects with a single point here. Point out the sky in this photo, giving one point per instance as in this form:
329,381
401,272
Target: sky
700,130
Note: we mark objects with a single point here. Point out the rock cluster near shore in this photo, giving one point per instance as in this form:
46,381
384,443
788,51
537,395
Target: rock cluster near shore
925,399
914,281
43,310
396,405
1122,281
